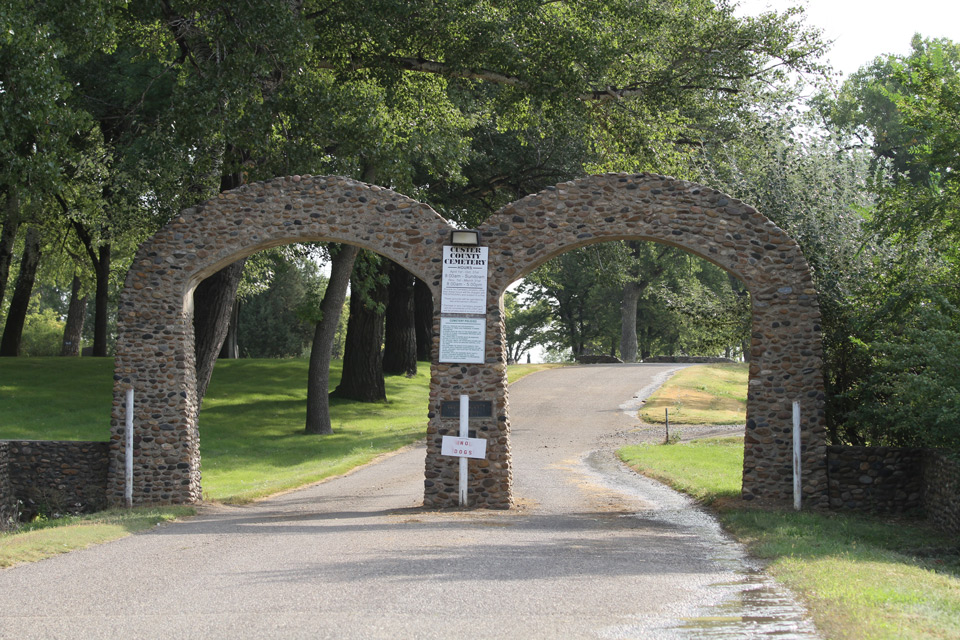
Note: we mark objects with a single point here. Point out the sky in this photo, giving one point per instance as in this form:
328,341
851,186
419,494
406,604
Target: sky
865,29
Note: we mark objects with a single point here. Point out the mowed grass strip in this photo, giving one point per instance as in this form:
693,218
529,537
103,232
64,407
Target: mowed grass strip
701,394
862,577
45,538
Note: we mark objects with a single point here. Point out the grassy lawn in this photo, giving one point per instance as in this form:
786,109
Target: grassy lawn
702,394
862,577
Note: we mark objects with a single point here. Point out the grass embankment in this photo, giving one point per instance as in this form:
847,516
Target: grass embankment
252,442
701,394
862,577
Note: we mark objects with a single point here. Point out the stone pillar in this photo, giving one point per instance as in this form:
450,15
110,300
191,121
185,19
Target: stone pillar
785,366
490,483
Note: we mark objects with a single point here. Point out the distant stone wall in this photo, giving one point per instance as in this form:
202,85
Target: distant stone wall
58,477
896,480
688,360
599,360
8,499
941,500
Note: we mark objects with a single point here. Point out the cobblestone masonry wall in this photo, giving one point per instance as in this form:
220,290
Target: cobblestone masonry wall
58,476
941,497
8,499
896,480
876,479
155,345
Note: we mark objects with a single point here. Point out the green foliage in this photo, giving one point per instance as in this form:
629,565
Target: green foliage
913,394
272,323
525,326
42,334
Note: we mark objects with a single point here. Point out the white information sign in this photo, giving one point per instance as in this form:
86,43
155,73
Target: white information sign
464,283
463,340
464,447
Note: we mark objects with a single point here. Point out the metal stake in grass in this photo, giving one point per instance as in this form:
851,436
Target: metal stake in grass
666,422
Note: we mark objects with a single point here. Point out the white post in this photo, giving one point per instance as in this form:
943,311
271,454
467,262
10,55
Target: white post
797,487
464,433
128,491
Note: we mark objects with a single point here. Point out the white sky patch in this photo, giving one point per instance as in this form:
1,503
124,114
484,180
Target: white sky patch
864,29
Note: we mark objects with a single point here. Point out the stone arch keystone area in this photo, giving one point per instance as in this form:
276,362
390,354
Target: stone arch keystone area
155,348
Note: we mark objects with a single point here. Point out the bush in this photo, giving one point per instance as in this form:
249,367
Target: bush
913,396
42,334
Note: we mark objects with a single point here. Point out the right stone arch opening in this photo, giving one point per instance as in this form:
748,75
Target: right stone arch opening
785,347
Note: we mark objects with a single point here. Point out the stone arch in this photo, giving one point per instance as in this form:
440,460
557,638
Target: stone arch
155,345
786,343
155,341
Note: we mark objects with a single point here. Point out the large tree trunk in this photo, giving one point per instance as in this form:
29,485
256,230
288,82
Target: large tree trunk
100,259
231,349
212,305
101,302
8,236
76,315
213,299
362,377
628,321
400,341
20,302
423,319
331,307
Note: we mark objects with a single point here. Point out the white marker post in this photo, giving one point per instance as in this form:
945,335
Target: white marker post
128,490
463,446
797,488
464,433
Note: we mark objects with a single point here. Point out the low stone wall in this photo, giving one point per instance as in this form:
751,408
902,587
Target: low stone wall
896,480
688,360
599,360
941,479
875,479
8,500
58,477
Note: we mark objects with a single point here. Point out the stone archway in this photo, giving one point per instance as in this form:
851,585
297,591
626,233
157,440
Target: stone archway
155,343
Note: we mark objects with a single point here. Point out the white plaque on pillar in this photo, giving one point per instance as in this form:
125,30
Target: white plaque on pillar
464,283
463,340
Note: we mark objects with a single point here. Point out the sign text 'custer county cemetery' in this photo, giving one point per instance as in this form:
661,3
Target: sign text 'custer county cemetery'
463,304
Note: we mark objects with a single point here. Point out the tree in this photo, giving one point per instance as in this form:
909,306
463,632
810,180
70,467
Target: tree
19,304
400,337
362,377
525,325
318,380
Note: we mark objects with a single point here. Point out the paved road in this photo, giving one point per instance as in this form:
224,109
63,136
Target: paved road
591,551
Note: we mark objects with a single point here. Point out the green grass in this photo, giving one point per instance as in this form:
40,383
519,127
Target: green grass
702,394
862,577
45,538
517,371
710,469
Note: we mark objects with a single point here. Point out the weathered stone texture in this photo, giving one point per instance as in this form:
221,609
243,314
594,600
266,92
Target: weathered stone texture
58,476
155,346
876,479
941,495
8,499
896,480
